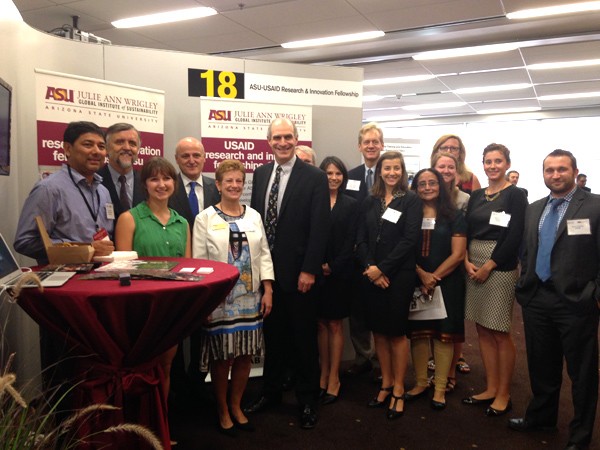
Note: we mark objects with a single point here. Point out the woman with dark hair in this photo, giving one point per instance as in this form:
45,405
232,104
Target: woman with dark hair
388,231
441,250
337,271
495,218
153,229
467,181
233,233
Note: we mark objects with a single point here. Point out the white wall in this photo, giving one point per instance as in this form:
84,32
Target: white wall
529,141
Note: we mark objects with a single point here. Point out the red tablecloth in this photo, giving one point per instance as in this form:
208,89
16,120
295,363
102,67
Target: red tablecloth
123,329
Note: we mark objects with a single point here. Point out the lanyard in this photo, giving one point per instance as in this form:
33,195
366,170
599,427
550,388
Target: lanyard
93,213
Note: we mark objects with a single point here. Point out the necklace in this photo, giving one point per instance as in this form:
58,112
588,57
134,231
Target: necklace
491,198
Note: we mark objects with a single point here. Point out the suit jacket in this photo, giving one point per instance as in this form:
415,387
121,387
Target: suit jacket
359,173
179,200
138,190
303,222
390,246
211,241
575,263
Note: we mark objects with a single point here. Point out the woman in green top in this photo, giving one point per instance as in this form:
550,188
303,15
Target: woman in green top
153,229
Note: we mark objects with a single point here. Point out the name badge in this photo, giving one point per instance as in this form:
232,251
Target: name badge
391,215
428,223
220,226
244,225
110,211
500,219
577,227
353,185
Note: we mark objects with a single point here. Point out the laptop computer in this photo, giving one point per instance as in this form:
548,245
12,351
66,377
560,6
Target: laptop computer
10,271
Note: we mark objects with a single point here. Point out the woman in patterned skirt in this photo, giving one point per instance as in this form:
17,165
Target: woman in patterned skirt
495,219
233,233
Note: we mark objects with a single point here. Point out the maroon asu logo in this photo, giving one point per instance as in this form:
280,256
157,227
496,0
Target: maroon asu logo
219,114
60,94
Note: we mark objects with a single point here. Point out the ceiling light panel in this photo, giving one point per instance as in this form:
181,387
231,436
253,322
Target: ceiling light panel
566,8
179,15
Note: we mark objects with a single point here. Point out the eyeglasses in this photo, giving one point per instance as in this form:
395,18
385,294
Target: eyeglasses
430,183
449,148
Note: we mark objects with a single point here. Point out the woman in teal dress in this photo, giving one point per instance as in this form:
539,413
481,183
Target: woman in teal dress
153,229
440,253
233,233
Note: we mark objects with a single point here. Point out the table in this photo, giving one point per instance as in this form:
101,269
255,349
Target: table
121,330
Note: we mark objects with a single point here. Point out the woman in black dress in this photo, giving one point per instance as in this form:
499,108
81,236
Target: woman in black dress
441,251
337,271
388,231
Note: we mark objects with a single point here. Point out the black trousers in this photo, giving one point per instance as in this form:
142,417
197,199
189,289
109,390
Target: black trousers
291,329
553,331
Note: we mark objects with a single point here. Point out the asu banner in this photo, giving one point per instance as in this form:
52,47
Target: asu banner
63,98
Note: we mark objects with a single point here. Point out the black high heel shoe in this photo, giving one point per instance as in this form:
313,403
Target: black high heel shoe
375,403
493,412
392,413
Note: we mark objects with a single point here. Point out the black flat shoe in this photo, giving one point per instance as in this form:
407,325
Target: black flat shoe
410,397
477,401
322,393
328,399
493,412
260,404
437,406
246,426
231,431
392,414
375,403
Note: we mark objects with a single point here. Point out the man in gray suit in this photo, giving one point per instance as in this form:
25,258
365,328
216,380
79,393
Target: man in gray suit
559,291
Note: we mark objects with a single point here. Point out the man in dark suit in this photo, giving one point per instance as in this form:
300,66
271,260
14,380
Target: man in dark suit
582,181
118,176
370,145
194,193
559,291
512,176
293,198
190,157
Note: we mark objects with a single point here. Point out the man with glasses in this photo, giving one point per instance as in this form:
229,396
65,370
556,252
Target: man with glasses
360,181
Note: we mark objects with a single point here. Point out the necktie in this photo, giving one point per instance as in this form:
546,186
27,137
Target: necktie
193,199
369,179
546,241
271,222
123,197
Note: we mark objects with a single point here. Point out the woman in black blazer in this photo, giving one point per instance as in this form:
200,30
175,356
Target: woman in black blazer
334,293
388,231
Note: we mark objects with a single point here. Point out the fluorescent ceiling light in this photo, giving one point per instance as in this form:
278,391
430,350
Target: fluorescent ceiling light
564,64
394,80
165,17
568,96
393,118
498,88
434,106
334,39
466,51
509,110
568,8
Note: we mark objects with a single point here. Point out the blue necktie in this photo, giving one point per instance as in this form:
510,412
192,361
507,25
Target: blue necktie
193,199
546,241
271,222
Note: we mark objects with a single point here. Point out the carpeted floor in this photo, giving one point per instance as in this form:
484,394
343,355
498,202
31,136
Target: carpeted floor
349,424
